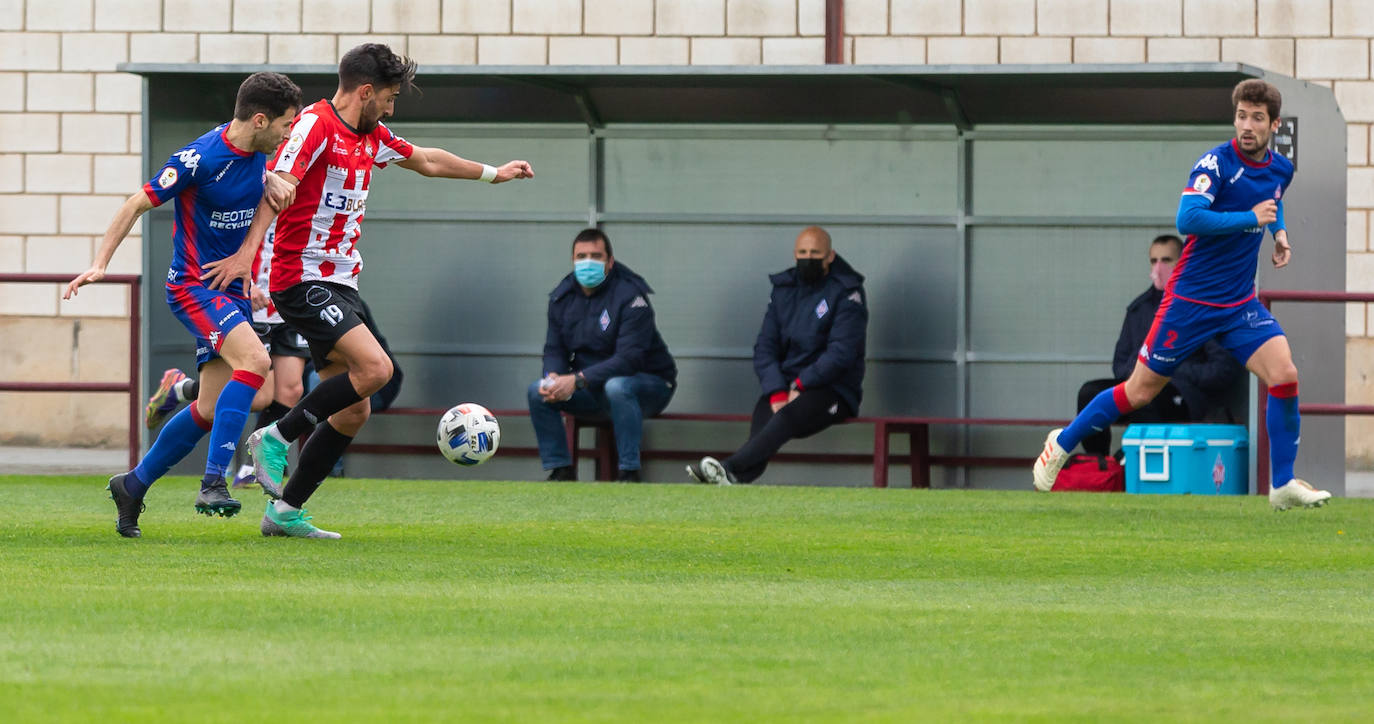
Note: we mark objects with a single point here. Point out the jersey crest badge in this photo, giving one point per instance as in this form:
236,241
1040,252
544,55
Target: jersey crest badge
168,177
821,309
605,320
1278,192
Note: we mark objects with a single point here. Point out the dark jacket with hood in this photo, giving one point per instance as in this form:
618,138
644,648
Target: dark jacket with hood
609,333
813,334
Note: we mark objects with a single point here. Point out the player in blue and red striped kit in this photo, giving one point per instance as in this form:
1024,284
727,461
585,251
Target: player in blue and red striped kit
1234,192
216,182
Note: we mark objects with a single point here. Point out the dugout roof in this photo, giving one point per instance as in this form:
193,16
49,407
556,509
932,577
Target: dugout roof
963,95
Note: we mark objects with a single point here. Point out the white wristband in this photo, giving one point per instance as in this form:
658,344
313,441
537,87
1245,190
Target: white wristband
488,173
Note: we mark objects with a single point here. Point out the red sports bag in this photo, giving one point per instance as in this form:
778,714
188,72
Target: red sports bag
1091,474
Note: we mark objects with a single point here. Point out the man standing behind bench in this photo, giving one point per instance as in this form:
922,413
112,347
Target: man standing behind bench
809,358
603,358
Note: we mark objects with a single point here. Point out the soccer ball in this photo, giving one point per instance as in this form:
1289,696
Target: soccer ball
468,434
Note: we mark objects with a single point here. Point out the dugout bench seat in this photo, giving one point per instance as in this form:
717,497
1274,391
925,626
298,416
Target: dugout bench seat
884,427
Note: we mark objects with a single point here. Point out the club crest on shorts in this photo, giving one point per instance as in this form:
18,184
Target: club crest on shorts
605,320
821,309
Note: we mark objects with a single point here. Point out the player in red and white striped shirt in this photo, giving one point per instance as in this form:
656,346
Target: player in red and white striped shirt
330,154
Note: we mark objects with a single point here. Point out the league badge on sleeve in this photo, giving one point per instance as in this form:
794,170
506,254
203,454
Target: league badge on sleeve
168,177
1202,183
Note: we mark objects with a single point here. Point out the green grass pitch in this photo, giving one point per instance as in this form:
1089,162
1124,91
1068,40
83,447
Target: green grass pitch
533,602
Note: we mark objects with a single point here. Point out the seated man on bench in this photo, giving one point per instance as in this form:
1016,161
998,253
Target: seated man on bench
603,358
809,358
1197,391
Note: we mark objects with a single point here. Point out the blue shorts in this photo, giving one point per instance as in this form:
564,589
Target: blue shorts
1181,327
208,314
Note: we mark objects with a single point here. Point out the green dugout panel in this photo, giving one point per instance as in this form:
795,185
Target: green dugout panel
1000,214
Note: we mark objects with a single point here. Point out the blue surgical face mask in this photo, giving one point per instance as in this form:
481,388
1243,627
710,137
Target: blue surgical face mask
589,272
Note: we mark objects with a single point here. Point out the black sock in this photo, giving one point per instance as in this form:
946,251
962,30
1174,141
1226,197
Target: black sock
327,398
318,456
271,414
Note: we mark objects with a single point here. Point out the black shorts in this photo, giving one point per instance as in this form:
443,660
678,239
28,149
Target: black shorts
322,313
282,340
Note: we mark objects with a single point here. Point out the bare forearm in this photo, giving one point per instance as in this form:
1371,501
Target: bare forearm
443,164
257,231
119,228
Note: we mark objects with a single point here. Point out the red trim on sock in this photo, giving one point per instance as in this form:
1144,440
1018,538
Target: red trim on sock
1284,391
798,385
248,378
1123,404
201,422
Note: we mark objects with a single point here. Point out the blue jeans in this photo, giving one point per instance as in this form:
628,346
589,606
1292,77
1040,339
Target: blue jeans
625,401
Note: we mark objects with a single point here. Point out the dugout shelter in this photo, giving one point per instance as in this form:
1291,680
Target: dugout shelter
1000,214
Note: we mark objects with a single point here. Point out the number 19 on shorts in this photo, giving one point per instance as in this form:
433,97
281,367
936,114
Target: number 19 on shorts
331,315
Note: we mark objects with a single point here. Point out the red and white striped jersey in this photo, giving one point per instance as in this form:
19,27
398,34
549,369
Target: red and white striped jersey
317,235
262,266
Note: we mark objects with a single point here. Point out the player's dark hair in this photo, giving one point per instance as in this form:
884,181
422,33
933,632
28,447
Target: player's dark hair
374,63
1258,92
593,234
1169,239
271,94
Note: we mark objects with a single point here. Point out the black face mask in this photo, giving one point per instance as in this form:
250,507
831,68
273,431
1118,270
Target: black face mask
809,271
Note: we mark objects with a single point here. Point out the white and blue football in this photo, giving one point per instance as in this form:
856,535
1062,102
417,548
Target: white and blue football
468,434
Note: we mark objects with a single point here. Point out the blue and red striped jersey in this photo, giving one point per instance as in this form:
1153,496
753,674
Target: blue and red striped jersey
1219,269
217,188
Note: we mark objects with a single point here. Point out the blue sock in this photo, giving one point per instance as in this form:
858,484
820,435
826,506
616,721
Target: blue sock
1284,426
175,441
1096,417
231,412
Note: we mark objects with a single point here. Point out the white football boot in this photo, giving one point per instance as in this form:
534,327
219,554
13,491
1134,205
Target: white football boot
1297,494
1050,462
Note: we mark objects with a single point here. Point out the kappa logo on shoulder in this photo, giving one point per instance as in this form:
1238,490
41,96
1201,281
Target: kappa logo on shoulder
639,303
1208,162
190,158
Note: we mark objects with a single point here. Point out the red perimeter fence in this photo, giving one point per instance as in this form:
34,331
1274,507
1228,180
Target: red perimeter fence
135,331
1262,434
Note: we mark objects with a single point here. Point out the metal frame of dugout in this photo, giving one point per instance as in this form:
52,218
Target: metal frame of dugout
999,184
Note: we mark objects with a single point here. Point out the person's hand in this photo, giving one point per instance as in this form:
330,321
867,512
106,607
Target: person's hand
513,170
558,387
1282,251
90,276
278,192
1266,212
257,298
220,274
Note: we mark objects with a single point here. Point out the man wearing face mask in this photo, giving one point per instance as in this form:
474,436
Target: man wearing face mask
603,358
1197,390
809,358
